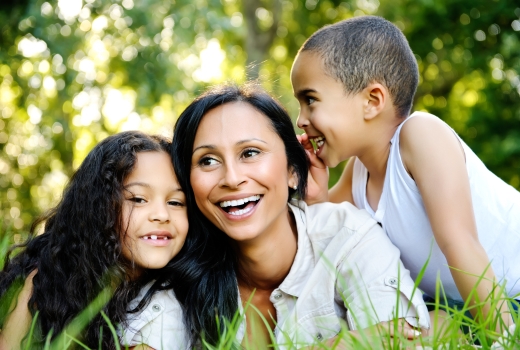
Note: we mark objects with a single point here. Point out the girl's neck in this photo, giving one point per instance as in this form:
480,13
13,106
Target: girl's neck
264,263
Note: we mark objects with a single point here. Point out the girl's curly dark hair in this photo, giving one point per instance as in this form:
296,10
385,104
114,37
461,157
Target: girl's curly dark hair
79,253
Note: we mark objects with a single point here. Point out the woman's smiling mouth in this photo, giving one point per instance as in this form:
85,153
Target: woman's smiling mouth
241,206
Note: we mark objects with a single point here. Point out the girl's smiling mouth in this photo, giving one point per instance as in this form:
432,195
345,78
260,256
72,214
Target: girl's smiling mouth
241,206
157,238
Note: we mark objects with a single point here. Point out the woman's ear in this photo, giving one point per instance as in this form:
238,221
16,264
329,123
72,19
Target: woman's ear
377,96
293,179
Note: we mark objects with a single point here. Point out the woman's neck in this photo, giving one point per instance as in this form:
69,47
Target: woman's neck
265,262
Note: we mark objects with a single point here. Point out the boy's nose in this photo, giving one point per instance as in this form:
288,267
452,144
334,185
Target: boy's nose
302,120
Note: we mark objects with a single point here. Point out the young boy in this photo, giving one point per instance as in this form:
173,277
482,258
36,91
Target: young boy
355,81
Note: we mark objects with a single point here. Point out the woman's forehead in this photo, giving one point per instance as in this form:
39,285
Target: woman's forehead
234,121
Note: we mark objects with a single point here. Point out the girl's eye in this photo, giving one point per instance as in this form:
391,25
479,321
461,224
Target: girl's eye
310,100
207,161
248,153
176,203
137,200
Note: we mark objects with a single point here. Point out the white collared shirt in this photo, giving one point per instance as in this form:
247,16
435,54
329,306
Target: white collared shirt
345,270
159,325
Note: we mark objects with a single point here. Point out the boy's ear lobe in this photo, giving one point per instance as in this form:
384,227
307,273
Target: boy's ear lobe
376,98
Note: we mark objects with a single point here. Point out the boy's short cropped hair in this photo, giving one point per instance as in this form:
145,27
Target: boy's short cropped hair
368,49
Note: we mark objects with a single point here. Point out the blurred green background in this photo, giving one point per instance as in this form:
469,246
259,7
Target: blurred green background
74,71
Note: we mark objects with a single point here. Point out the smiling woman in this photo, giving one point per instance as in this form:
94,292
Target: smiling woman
303,269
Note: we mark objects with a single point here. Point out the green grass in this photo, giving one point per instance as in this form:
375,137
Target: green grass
445,336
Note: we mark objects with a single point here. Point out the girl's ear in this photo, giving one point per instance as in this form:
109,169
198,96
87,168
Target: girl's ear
376,98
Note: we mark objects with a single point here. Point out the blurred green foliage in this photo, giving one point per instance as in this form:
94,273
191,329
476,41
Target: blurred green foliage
74,71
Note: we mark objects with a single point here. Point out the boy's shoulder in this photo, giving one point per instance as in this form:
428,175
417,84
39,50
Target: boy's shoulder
422,127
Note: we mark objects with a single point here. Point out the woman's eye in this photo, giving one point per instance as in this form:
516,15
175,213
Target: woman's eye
207,161
310,100
248,153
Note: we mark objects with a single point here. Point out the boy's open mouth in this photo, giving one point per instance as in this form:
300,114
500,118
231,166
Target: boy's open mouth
318,143
240,206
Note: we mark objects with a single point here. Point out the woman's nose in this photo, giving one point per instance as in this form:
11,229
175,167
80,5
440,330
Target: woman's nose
233,176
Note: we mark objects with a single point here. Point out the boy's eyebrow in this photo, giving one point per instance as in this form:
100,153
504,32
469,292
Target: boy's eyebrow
303,92
238,143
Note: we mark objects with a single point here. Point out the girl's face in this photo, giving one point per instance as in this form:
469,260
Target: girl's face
239,172
154,212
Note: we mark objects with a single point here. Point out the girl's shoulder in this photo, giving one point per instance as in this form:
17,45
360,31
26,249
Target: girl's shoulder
19,318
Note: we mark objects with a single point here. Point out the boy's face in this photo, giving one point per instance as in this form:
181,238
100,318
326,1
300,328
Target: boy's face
330,117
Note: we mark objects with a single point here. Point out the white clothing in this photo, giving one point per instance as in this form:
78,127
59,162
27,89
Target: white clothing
402,214
345,270
159,325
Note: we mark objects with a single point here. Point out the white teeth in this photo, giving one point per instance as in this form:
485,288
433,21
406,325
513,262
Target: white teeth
241,201
155,237
319,141
241,211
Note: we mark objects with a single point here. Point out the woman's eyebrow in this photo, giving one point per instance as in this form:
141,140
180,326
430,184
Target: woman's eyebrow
238,143
203,146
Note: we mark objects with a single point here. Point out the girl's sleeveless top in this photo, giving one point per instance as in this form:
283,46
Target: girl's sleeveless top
402,214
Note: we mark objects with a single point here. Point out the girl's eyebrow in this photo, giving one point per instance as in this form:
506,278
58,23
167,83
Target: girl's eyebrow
144,184
238,143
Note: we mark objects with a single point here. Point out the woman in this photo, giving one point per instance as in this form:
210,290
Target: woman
302,269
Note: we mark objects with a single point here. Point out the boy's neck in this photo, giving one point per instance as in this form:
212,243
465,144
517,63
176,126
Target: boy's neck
375,156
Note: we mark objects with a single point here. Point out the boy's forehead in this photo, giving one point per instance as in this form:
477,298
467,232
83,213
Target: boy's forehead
307,69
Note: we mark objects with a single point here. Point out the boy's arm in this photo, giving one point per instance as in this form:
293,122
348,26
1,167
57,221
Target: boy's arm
318,180
342,190
434,158
18,322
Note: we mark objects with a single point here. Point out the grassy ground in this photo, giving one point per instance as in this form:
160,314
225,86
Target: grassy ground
459,331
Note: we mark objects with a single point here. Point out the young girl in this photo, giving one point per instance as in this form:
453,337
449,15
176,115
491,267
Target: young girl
122,217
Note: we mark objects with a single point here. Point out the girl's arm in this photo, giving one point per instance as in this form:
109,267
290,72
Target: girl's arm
19,320
434,158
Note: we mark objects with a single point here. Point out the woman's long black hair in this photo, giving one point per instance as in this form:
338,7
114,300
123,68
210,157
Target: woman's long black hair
79,253
212,286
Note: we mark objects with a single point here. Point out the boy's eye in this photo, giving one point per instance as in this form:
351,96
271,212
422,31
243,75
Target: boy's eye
310,100
248,153
207,161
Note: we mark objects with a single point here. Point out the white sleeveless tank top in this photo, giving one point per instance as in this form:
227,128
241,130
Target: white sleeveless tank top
402,214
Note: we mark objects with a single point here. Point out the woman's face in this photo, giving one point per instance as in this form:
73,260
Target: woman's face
239,173
154,212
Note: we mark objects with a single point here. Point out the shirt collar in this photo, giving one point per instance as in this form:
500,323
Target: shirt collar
304,261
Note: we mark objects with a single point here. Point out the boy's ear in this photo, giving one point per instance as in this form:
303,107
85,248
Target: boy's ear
376,98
